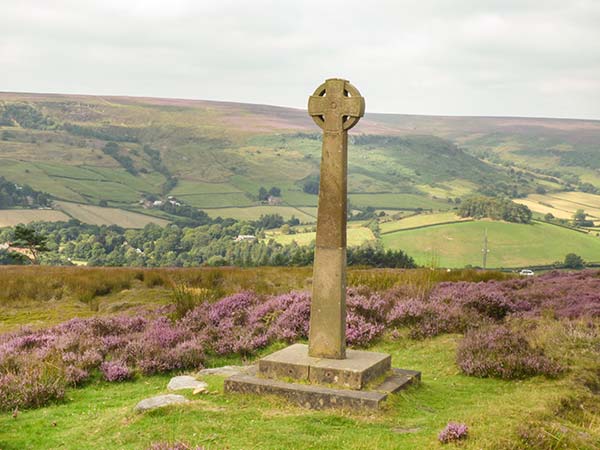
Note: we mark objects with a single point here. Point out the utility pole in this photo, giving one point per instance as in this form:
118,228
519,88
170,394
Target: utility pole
485,249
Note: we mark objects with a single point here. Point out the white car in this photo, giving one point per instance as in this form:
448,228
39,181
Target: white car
526,273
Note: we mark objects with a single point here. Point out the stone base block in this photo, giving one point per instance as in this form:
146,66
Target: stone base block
354,372
319,397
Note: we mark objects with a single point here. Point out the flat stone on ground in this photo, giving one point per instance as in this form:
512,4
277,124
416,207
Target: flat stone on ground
159,401
226,371
185,382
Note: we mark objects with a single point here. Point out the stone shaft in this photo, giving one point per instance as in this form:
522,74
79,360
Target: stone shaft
336,106
328,307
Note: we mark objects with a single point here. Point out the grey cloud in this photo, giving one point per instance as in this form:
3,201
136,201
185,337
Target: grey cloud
470,57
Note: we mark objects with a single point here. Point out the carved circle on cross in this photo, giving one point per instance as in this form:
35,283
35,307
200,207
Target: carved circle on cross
336,105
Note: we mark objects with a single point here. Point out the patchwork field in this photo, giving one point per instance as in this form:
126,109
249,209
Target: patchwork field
510,244
12,217
564,204
97,215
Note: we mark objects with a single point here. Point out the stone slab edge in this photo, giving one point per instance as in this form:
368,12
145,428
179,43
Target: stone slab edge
320,397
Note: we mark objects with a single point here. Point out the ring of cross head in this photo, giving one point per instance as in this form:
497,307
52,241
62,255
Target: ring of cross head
336,105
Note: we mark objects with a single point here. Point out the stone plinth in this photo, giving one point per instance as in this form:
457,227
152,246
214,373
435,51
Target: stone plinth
354,372
362,380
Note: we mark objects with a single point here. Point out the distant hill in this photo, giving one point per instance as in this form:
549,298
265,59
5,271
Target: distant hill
118,151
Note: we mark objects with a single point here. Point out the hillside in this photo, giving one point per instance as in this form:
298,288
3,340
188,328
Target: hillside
114,151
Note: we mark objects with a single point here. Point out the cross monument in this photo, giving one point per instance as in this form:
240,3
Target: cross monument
324,374
336,106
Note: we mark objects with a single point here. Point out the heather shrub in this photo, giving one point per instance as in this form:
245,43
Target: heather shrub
173,446
499,352
542,435
31,387
115,371
453,432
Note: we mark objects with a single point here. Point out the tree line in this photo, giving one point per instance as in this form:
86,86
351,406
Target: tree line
212,244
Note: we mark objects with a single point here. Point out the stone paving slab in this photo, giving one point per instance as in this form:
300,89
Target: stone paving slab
226,371
185,382
159,401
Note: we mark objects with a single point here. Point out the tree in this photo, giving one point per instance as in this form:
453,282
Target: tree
573,261
311,186
28,238
262,194
275,192
579,215
580,219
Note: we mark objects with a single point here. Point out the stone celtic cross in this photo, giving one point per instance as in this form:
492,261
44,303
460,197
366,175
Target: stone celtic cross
336,106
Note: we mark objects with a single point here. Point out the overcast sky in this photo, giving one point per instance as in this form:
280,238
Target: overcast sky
452,57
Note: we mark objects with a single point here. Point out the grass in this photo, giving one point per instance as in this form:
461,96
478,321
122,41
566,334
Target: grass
97,215
397,201
101,414
510,245
419,220
356,236
12,217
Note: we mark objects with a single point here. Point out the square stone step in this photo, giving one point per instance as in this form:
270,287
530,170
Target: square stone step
354,372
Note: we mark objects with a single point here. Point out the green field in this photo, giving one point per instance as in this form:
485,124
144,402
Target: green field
305,214
418,220
510,244
397,201
97,215
355,235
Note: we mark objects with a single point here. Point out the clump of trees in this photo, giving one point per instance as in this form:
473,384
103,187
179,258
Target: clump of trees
12,195
495,208
580,219
264,195
573,261
25,116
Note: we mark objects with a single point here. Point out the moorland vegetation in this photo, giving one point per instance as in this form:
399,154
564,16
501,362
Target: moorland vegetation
529,347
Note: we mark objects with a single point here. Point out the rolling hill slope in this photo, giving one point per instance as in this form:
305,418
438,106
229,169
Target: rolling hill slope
213,154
